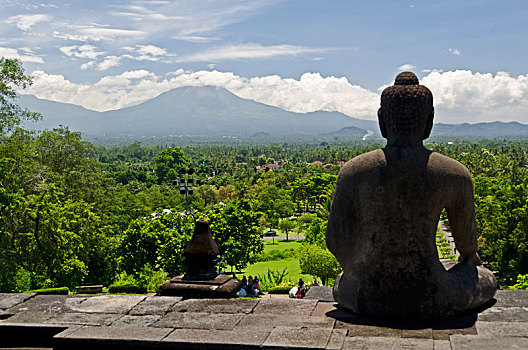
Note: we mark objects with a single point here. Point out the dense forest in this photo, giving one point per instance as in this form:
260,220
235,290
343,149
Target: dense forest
73,213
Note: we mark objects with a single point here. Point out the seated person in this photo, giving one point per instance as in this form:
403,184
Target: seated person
256,287
384,217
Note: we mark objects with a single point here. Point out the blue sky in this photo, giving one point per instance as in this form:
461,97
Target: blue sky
297,55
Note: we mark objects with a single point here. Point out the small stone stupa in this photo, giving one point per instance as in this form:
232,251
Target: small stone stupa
384,217
201,279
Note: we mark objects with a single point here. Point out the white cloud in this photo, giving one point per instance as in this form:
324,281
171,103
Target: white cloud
407,67
13,53
87,65
138,74
25,22
432,70
464,96
153,2
459,96
148,16
83,51
310,93
247,51
109,61
150,50
455,51
92,33
193,38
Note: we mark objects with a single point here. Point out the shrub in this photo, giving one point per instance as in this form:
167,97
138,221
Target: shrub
272,278
522,282
151,279
320,262
127,284
282,288
127,288
45,291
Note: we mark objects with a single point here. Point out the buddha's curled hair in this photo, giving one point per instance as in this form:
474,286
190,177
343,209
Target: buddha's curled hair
406,104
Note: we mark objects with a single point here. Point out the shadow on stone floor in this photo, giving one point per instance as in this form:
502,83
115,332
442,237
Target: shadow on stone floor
465,321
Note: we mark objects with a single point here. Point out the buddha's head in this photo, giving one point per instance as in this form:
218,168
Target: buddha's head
406,112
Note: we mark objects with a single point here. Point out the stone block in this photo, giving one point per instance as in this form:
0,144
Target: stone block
136,321
442,345
220,287
337,338
320,293
512,298
443,334
333,310
297,337
477,342
266,322
502,329
8,300
199,320
84,318
47,303
214,339
225,306
324,307
5,314
504,314
155,305
425,333
361,330
112,304
28,335
291,307
30,317
381,343
103,338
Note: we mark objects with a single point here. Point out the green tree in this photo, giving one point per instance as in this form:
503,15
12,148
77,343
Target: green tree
59,240
319,261
11,114
235,228
208,193
286,225
168,163
316,232
156,241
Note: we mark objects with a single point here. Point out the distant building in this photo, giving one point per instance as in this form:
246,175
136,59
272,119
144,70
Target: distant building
315,163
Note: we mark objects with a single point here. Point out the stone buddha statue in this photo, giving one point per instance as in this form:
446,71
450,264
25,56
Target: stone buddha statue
384,217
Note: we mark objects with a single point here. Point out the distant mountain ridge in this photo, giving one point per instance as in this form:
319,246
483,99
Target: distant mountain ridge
211,111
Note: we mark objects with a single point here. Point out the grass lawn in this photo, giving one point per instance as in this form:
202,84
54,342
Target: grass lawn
291,264
281,245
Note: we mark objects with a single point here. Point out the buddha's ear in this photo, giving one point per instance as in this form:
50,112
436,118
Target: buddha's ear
429,124
381,122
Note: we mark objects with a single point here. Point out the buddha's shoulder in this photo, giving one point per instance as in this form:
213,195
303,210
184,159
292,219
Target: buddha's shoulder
364,163
438,163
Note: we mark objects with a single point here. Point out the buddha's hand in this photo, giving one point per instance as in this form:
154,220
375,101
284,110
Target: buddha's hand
473,259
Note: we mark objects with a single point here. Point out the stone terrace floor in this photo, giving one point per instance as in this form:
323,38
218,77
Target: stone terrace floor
141,322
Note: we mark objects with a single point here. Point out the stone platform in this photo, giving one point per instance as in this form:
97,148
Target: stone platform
157,322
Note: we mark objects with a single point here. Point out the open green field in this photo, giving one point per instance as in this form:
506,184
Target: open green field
290,264
281,245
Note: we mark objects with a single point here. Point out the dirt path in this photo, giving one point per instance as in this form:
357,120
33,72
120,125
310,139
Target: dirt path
449,237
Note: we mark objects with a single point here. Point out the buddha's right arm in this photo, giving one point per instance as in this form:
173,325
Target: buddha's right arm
461,215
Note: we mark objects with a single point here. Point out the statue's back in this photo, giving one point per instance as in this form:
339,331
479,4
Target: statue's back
384,217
